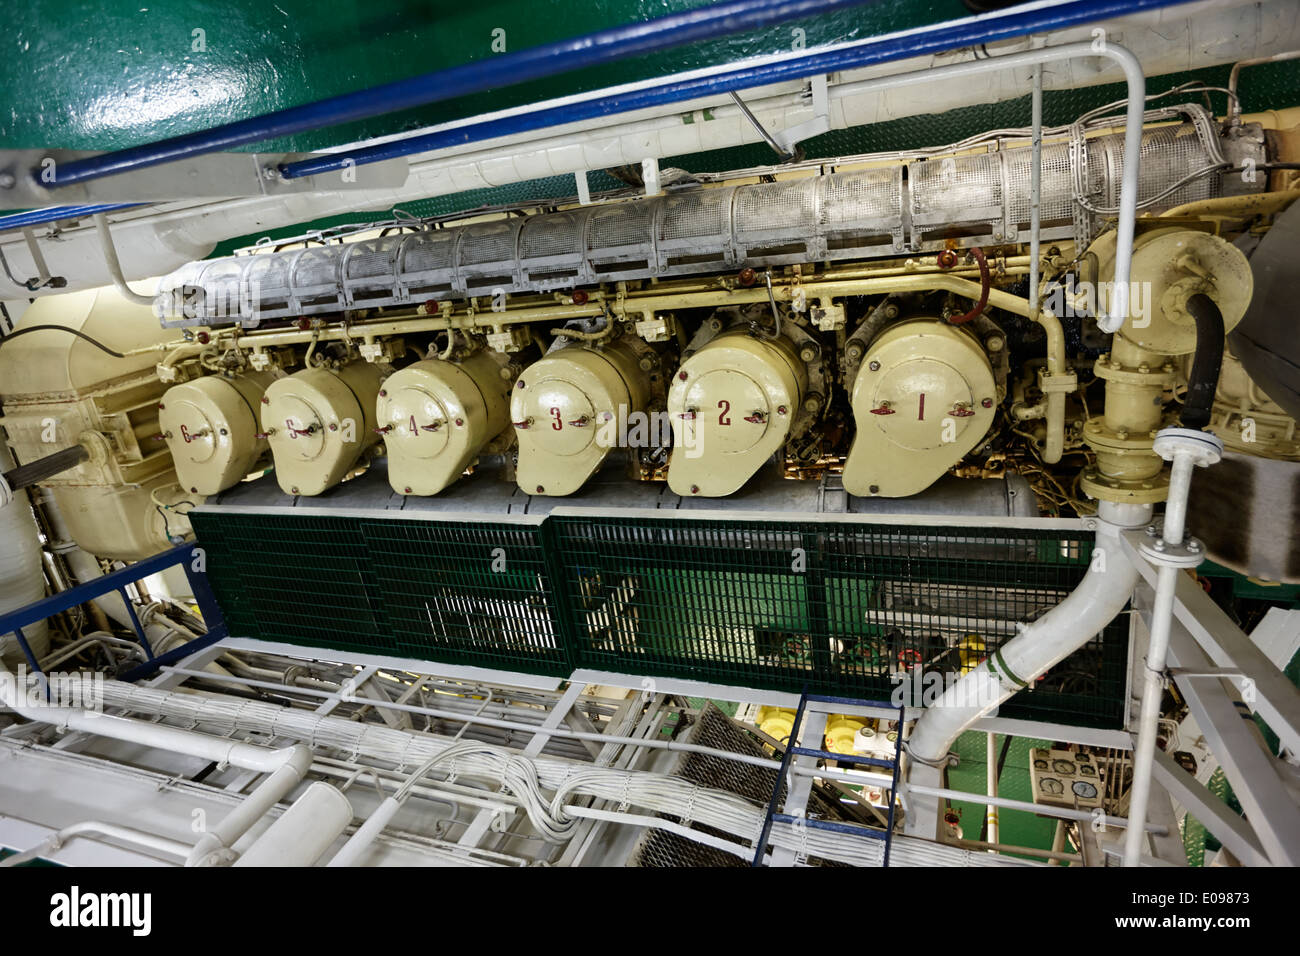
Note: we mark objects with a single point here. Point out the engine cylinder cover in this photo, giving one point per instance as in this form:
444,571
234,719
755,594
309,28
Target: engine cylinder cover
210,425
319,421
436,416
924,398
567,410
731,406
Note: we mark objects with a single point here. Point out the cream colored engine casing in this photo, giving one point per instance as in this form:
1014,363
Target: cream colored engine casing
320,421
1169,266
438,415
731,406
566,408
919,403
211,427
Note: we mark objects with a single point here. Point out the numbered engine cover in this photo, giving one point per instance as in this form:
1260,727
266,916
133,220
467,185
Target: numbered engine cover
731,405
211,428
319,421
923,398
436,416
567,410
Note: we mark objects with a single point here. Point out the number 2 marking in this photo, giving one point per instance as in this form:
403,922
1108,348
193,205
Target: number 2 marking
725,407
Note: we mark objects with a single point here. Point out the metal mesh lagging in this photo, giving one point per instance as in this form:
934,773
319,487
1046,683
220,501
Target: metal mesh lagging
716,730
809,215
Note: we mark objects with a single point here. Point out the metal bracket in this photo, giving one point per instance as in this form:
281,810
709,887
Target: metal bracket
789,139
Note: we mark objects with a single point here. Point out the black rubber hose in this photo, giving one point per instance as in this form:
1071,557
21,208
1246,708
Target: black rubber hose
1204,378
35,471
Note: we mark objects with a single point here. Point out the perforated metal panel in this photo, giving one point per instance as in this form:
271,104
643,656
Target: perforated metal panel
714,729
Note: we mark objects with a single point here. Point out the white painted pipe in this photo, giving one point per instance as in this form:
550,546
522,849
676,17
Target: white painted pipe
114,267
991,770
366,834
22,579
214,847
1041,645
1153,685
286,766
303,832
96,828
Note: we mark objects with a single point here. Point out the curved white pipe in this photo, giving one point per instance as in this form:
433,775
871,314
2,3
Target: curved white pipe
93,828
114,267
286,766
1099,597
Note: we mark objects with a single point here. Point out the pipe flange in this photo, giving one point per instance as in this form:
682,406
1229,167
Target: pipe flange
1146,491
1096,433
1162,377
1160,553
1205,448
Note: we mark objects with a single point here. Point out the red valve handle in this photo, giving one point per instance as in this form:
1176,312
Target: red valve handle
960,412
524,424
758,418
431,428
882,410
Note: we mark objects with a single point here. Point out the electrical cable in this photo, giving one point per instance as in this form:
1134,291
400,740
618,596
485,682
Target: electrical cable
62,328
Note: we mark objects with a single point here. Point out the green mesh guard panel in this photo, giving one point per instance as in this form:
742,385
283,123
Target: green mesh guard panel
839,608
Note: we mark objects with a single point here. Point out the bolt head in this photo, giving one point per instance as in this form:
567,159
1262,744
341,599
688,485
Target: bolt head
874,489
540,489
294,490
1160,544
520,384
383,393
334,426
986,403
460,422
161,406
194,491
7,181
873,365
695,489
1193,546
406,490
225,432
1151,530
682,375
781,410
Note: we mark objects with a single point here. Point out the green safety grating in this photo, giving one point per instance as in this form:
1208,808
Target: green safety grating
826,607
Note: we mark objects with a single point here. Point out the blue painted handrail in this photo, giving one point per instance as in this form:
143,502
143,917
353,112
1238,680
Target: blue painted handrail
37,217
939,38
185,555
508,69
